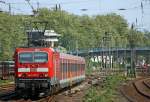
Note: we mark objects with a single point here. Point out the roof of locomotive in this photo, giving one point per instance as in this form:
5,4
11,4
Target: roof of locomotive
62,55
34,49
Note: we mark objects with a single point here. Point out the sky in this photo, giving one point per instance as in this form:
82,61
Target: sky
133,9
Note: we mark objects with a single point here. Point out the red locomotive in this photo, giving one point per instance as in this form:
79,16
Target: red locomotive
46,70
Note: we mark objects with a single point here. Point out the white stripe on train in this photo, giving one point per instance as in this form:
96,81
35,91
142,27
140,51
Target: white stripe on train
42,69
23,69
72,79
29,69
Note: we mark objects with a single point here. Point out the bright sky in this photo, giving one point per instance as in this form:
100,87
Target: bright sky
94,7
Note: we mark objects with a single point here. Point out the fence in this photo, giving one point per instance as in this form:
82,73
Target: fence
6,70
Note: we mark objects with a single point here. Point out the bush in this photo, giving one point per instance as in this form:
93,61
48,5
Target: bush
107,93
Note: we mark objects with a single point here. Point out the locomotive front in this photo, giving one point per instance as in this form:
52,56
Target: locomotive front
32,69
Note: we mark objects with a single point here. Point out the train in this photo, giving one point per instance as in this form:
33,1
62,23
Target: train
46,70
6,70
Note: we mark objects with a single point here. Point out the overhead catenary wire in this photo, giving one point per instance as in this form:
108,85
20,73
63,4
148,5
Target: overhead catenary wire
138,5
45,4
69,2
73,2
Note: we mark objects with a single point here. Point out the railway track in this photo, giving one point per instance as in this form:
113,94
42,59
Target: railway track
90,80
47,99
6,91
10,96
6,96
137,91
5,87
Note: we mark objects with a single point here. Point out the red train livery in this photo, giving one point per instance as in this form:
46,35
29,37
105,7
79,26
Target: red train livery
38,69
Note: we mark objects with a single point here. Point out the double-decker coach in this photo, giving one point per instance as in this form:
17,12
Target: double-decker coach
72,69
46,70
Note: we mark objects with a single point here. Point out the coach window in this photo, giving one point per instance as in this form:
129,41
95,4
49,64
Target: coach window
73,66
64,67
74,69
77,66
69,68
61,65
61,68
80,68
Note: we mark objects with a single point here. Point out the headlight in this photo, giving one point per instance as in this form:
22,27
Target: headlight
46,75
43,75
19,75
22,75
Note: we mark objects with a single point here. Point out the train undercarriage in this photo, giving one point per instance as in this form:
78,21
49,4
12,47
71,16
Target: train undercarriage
35,87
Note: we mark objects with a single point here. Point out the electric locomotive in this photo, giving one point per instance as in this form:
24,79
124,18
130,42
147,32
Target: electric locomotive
45,70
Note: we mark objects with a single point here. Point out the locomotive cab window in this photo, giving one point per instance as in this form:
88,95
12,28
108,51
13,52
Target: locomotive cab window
25,57
40,57
31,57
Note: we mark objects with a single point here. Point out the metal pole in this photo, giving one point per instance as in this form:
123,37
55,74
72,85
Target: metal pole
8,4
77,46
102,55
9,8
132,53
38,6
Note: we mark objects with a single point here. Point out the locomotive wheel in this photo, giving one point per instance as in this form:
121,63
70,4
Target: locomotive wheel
53,90
18,91
57,87
49,91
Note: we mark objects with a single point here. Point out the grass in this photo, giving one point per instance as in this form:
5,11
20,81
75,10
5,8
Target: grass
4,82
89,71
105,93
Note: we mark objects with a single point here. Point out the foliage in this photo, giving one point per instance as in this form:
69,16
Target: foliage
5,82
77,32
89,66
107,93
11,34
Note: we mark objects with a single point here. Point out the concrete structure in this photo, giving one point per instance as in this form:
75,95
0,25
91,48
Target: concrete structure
42,38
